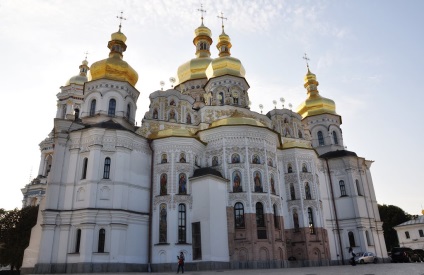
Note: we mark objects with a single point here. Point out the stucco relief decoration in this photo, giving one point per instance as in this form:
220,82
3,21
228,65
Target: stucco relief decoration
238,197
185,199
161,199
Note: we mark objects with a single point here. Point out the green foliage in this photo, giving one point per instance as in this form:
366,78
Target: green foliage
15,231
391,216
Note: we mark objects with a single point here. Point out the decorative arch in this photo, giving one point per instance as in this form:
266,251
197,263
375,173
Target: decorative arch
263,254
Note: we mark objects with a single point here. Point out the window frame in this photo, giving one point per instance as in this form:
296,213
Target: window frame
111,110
239,222
106,168
182,223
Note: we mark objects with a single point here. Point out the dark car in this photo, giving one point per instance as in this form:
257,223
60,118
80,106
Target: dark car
420,254
404,255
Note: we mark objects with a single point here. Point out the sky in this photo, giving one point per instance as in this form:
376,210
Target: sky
366,54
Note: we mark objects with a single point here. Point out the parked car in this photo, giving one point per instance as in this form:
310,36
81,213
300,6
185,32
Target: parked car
365,257
420,254
404,255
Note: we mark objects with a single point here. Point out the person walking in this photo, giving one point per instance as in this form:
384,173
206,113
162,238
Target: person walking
352,260
180,262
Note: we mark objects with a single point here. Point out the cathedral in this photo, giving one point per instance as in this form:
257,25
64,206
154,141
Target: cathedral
204,175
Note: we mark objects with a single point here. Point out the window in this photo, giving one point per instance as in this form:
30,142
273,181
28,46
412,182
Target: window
182,158
351,239
336,141
106,171
358,187
112,107
289,169
367,236
304,168
421,233
155,114
93,107
188,119
299,133
295,221
164,158
276,223
292,193
182,223
127,115
76,114
163,224
272,184
320,138
197,241
64,111
101,244
239,215
307,191
342,189
260,221
311,221
78,241
221,98
407,234
84,168
163,184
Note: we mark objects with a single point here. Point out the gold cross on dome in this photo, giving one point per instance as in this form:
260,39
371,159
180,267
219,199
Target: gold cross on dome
201,11
120,20
222,19
86,53
307,60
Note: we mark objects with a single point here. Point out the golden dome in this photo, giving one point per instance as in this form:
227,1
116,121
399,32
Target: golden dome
315,104
179,132
81,78
237,118
225,64
114,67
196,67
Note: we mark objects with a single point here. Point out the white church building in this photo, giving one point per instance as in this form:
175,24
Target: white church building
203,175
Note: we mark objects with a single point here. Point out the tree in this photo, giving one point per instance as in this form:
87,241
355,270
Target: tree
15,232
391,216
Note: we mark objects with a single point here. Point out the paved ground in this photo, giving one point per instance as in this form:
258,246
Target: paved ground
368,269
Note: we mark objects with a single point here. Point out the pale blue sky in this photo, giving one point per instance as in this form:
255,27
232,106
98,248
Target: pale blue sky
367,56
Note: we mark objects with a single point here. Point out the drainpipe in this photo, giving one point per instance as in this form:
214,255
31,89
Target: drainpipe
335,210
149,257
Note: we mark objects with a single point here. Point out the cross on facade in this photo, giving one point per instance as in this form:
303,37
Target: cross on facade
307,60
222,19
120,20
201,11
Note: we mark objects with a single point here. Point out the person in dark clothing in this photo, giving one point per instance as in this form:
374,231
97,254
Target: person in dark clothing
181,262
352,260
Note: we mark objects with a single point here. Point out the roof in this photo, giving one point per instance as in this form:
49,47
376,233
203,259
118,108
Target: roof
418,220
206,171
110,124
338,154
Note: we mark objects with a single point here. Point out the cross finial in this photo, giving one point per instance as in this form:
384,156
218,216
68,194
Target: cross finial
120,20
201,11
86,53
222,19
307,60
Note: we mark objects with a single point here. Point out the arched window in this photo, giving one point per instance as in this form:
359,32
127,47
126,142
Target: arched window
358,187
106,170
311,221
272,184
307,191
182,158
336,141
320,138
299,133
182,223
304,168
102,238
76,114
172,103
182,184
188,119
221,98
239,215
351,239
128,114
257,182
237,187
295,221
235,158
164,158
163,224
93,107
407,235
84,168
276,222
292,193
78,241
112,107
163,184
64,111
367,236
342,188
289,168
260,221
155,114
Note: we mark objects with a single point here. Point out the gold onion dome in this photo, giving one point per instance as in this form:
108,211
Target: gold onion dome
196,67
225,64
315,104
114,67
237,118
80,78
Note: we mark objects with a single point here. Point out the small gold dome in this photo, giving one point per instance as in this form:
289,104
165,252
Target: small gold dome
315,104
81,78
196,67
114,67
225,64
237,118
